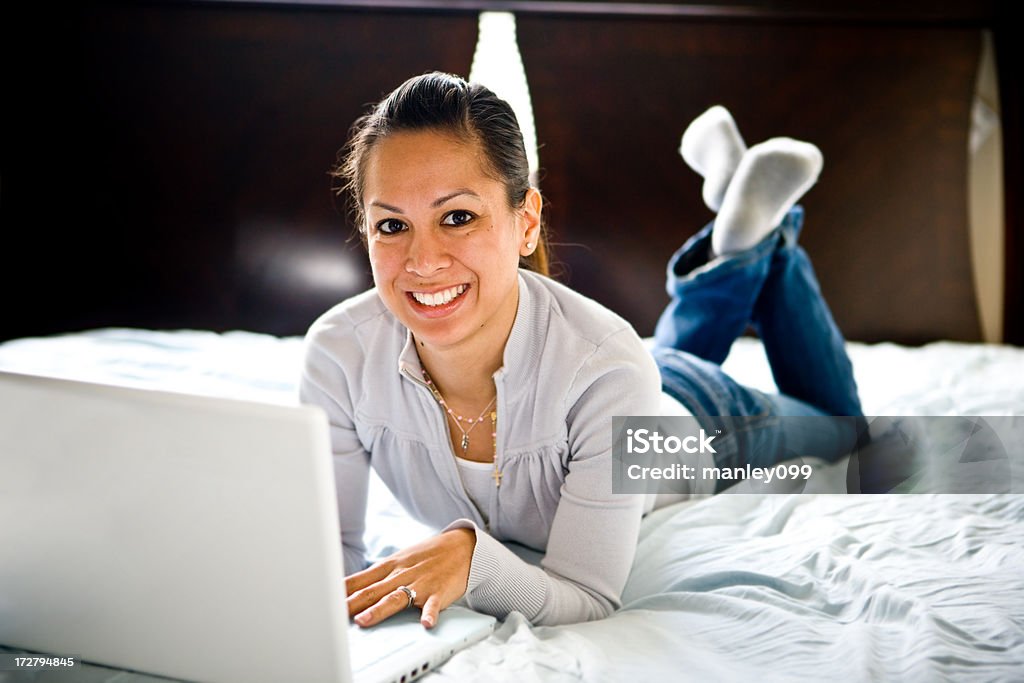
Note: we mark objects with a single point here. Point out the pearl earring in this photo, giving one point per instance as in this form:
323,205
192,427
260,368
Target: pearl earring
529,245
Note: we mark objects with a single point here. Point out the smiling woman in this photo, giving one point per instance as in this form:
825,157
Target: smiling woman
444,243
463,328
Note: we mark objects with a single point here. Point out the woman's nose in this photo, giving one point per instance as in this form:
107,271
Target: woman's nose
427,253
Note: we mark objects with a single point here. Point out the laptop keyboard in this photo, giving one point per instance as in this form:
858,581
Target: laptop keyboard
369,646
401,650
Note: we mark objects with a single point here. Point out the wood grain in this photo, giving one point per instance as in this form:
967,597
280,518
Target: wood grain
888,106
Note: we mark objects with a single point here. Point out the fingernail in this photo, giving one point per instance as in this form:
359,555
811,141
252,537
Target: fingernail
427,622
362,619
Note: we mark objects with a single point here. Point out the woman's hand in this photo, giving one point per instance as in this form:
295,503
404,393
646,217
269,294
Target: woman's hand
437,569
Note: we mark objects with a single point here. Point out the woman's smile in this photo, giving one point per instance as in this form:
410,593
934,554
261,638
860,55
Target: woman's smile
437,303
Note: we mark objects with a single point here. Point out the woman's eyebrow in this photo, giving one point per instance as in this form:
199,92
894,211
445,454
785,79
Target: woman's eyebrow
441,200
386,207
436,203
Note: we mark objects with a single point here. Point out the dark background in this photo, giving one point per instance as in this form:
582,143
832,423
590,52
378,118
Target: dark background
165,164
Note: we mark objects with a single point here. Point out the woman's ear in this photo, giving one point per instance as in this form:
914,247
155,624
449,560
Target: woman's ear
530,214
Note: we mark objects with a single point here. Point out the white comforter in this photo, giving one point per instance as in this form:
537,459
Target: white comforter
730,587
798,588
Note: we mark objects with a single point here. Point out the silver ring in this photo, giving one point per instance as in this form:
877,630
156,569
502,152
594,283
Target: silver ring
409,593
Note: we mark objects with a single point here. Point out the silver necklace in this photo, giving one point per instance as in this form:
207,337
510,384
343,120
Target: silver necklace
459,419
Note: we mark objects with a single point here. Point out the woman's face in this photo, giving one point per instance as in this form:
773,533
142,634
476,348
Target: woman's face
444,244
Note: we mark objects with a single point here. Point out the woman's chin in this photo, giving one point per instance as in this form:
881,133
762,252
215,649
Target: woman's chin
435,338
436,331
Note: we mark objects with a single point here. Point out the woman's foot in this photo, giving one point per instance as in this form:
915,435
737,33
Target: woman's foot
770,179
712,147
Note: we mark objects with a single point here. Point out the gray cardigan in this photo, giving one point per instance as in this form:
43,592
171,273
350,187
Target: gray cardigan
569,365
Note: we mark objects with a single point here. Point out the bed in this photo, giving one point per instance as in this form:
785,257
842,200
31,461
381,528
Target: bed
207,128
912,587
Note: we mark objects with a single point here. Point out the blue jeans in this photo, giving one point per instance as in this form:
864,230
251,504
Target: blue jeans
771,287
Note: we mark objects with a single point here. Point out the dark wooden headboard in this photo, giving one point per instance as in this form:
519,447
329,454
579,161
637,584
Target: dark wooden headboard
171,169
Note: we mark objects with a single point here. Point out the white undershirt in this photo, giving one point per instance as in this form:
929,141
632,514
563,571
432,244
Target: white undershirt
478,481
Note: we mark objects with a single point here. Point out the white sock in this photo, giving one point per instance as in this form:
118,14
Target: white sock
712,147
769,180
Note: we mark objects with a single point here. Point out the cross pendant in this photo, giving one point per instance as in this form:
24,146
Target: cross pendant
496,475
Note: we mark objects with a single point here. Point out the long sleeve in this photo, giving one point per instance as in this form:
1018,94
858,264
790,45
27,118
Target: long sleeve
593,536
351,461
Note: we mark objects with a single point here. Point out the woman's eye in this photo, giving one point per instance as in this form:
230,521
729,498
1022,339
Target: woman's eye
457,218
389,226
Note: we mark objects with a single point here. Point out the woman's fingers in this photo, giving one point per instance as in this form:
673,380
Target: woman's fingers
437,569
369,586
431,609
375,593
388,606
367,577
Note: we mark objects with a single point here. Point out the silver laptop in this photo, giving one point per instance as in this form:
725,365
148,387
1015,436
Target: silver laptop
186,536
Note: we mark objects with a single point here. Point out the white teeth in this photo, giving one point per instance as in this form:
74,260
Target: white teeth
438,298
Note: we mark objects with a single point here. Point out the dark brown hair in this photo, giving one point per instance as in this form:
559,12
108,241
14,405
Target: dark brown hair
448,104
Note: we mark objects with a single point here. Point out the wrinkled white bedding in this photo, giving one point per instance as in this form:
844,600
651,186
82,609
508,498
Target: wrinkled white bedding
729,587
798,588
